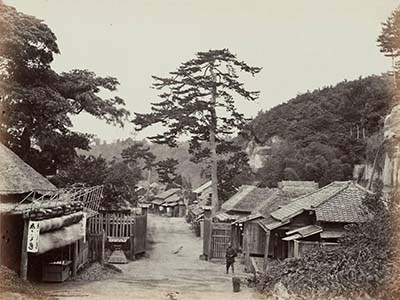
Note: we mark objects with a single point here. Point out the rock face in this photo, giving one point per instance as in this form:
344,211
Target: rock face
392,123
391,170
259,154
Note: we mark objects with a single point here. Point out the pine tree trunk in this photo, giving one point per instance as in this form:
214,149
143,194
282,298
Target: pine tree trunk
214,175
148,184
213,149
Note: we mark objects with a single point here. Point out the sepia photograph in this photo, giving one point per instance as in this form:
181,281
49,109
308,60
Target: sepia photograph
199,150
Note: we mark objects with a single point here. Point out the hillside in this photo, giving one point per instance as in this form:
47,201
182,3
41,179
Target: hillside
186,168
322,134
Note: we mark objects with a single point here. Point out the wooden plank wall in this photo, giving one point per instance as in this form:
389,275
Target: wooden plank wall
114,225
255,238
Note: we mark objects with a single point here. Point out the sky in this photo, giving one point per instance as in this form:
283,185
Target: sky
300,44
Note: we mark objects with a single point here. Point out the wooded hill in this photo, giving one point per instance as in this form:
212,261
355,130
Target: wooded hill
112,150
324,132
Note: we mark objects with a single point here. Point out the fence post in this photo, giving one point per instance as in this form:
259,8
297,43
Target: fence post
24,253
132,241
74,258
103,246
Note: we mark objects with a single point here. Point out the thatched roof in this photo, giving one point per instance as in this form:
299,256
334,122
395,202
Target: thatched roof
17,177
247,199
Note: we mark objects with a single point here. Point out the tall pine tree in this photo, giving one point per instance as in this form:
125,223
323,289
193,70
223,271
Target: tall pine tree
197,100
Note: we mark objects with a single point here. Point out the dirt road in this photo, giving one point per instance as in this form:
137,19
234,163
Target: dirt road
164,274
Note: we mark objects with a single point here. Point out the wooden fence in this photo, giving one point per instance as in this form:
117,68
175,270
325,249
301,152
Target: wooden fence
114,224
131,227
217,237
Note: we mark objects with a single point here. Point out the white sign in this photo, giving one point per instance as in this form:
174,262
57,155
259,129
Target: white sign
83,226
33,236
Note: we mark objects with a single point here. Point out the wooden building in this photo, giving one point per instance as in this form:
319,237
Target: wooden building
174,205
42,228
159,199
288,228
253,242
169,203
203,193
241,205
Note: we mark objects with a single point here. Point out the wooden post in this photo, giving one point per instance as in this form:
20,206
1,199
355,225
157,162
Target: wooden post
145,230
24,253
103,246
132,242
207,232
296,249
266,251
210,245
75,255
132,247
247,245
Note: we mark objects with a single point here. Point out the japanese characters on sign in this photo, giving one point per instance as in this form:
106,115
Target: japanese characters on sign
33,236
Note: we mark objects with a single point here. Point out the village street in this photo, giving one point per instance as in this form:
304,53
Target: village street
162,275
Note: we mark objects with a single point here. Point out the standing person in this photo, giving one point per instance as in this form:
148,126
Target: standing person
230,258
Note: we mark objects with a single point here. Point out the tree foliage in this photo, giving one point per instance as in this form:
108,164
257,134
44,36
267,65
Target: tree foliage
166,170
37,103
138,153
186,107
197,100
325,132
119,179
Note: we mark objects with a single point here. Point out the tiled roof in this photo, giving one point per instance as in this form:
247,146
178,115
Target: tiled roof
336,202
17,177
344,207
167,193
247,199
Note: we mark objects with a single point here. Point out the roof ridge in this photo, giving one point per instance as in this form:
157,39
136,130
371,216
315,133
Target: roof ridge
313,192
243,191
359,186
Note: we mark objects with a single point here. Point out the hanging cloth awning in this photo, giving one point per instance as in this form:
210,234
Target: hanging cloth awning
60,238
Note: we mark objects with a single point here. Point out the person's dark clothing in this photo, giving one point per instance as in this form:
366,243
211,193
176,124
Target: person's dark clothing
230,258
